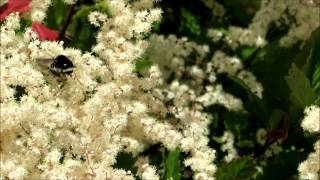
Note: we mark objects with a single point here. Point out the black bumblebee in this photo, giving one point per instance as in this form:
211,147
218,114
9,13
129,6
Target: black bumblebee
59,66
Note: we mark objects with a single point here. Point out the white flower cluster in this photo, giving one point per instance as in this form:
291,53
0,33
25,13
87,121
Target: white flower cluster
236,37
310,168
173,54
311,121
261,136
170,54
305,14
145,170
222,63
217,9
216,95
228,146
38,9
96,18
184,61
215,34
240,36
300,16
274,149
74,127
144,4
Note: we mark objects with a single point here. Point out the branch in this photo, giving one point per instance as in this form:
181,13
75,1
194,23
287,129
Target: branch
68,20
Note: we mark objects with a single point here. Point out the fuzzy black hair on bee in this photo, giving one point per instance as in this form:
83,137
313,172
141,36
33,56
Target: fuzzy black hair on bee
61,65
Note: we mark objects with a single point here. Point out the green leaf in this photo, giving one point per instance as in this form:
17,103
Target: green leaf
302,94
236,122
283,165
156,158
239,169
189,23
24,23
241,11
245,144
142,63
271,65
276,119
125,161
254,104
85,10
247,52
173,165
316,78
19,92
156,26
81,32
308,59
217,139
224,31
56,14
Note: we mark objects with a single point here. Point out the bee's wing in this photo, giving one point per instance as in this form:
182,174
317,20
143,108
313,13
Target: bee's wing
45,62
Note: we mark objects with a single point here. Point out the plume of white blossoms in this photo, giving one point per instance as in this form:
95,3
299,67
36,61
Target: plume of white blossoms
311,120
186,98
214,34
236,37
305,14
240,36
217,9
74,128
38,9
222,63
310,168
228,146
143,4
97,18
301,16
145,170
170,53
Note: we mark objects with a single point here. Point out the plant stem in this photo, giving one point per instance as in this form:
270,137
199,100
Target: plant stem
68,20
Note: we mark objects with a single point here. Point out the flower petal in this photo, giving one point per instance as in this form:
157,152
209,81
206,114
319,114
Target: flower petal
14,6
44,33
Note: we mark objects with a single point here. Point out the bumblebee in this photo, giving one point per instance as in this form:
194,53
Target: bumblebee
59,66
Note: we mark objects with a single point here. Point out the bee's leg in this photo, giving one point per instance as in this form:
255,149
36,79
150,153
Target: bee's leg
61,78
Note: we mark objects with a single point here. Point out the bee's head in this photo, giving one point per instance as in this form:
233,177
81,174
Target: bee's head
64,64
